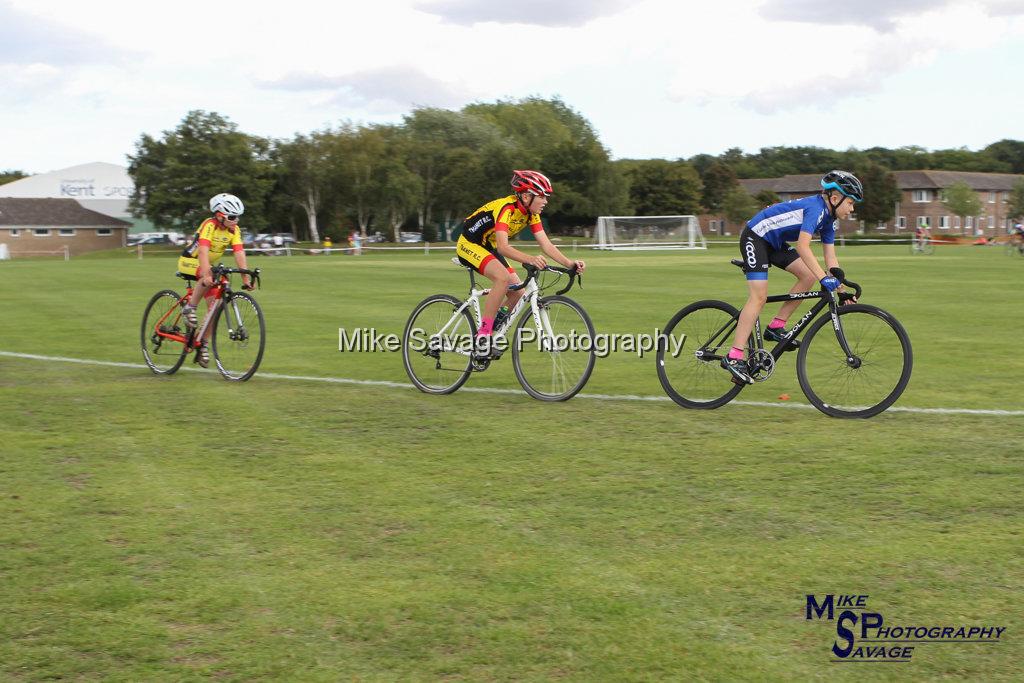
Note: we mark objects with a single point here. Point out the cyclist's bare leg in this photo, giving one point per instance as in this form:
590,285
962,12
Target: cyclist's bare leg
500,279
755,303
805,282
198,290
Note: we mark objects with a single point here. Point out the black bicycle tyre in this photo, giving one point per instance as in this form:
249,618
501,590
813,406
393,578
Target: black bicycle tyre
462,373
146,335
808,343
517,349
711,369
216,347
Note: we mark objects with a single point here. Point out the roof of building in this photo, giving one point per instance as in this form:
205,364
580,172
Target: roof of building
18,211
905,180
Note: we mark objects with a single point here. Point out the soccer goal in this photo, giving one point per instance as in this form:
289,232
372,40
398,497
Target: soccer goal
649,232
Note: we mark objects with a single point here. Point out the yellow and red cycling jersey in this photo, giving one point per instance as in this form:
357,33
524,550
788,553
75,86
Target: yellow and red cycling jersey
213,235
501,215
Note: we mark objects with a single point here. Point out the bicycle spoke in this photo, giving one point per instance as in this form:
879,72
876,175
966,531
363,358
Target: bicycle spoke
689,355
873,381
437,344
557,361
163,333
238,337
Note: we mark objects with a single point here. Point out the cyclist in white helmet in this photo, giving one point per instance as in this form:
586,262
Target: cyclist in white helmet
209,243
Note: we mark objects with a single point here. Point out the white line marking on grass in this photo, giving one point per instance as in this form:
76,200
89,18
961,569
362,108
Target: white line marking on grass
487,390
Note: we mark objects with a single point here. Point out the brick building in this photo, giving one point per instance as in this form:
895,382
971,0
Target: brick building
921,202
37,226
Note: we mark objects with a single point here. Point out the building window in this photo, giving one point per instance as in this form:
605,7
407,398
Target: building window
991,197
901,222
882,225
944,222
1006,197
968,222
66,232
957,222
922,221
922,196
104,232
41,232
991,222
15,232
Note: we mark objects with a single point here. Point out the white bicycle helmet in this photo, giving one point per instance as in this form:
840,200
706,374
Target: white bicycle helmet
227,204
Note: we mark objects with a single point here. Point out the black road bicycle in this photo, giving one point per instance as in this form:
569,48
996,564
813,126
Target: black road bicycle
853,362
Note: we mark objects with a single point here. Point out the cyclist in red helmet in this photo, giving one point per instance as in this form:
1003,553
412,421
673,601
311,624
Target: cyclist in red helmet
484,243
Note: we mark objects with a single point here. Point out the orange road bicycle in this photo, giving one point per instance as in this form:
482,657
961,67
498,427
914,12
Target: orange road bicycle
233,326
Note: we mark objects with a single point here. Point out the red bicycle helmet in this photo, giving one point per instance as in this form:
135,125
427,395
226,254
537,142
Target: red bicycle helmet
531,181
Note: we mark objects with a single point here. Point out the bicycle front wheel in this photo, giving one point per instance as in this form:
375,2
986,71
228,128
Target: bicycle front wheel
163,333
238,337
553,359
690,353
437,345
867,383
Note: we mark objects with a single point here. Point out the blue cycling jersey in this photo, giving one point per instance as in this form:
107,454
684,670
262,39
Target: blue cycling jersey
783,222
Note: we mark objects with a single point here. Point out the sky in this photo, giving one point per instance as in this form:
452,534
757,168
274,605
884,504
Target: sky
83,81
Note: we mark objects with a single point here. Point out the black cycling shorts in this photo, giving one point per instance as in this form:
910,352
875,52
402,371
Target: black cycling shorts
757,255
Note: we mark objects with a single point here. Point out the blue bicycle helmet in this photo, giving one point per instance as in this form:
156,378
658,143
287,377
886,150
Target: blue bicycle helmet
845,183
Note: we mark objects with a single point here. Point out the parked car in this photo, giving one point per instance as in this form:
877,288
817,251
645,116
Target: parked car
156,238
274,239
152,240
410,236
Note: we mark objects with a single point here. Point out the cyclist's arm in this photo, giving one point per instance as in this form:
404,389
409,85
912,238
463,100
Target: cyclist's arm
203,272
510,252
240,261
803,250
551,250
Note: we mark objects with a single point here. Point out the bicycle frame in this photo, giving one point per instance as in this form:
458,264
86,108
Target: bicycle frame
218,294
825,299
530,297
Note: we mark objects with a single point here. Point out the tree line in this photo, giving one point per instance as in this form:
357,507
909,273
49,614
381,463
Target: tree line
437,165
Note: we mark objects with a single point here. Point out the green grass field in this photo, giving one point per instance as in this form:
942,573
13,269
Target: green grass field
185,527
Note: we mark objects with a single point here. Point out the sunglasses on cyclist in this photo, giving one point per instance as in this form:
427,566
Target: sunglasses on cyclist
230,217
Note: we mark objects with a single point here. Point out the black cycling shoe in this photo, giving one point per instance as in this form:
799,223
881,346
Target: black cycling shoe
779,335
738,369
485,348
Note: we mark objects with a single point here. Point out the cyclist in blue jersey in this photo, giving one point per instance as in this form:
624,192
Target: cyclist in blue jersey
765,241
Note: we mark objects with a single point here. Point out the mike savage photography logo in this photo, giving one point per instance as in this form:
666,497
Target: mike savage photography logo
864,635
370,340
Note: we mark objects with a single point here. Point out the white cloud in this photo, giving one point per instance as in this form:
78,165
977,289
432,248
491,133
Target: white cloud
28,39
881,15
533,12
789,65
384,90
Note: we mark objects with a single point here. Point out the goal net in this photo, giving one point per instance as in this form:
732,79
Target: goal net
648,232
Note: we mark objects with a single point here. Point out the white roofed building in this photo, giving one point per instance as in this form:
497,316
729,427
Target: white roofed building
99,186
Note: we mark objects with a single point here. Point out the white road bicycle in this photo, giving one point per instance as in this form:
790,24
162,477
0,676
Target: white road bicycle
551,339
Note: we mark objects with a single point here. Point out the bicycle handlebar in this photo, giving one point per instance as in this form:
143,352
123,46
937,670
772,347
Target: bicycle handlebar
533,271
841,276
220,269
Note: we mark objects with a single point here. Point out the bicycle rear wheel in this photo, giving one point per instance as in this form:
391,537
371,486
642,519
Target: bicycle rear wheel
437,345
690,352
554,362
873,380
238,337
163,333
